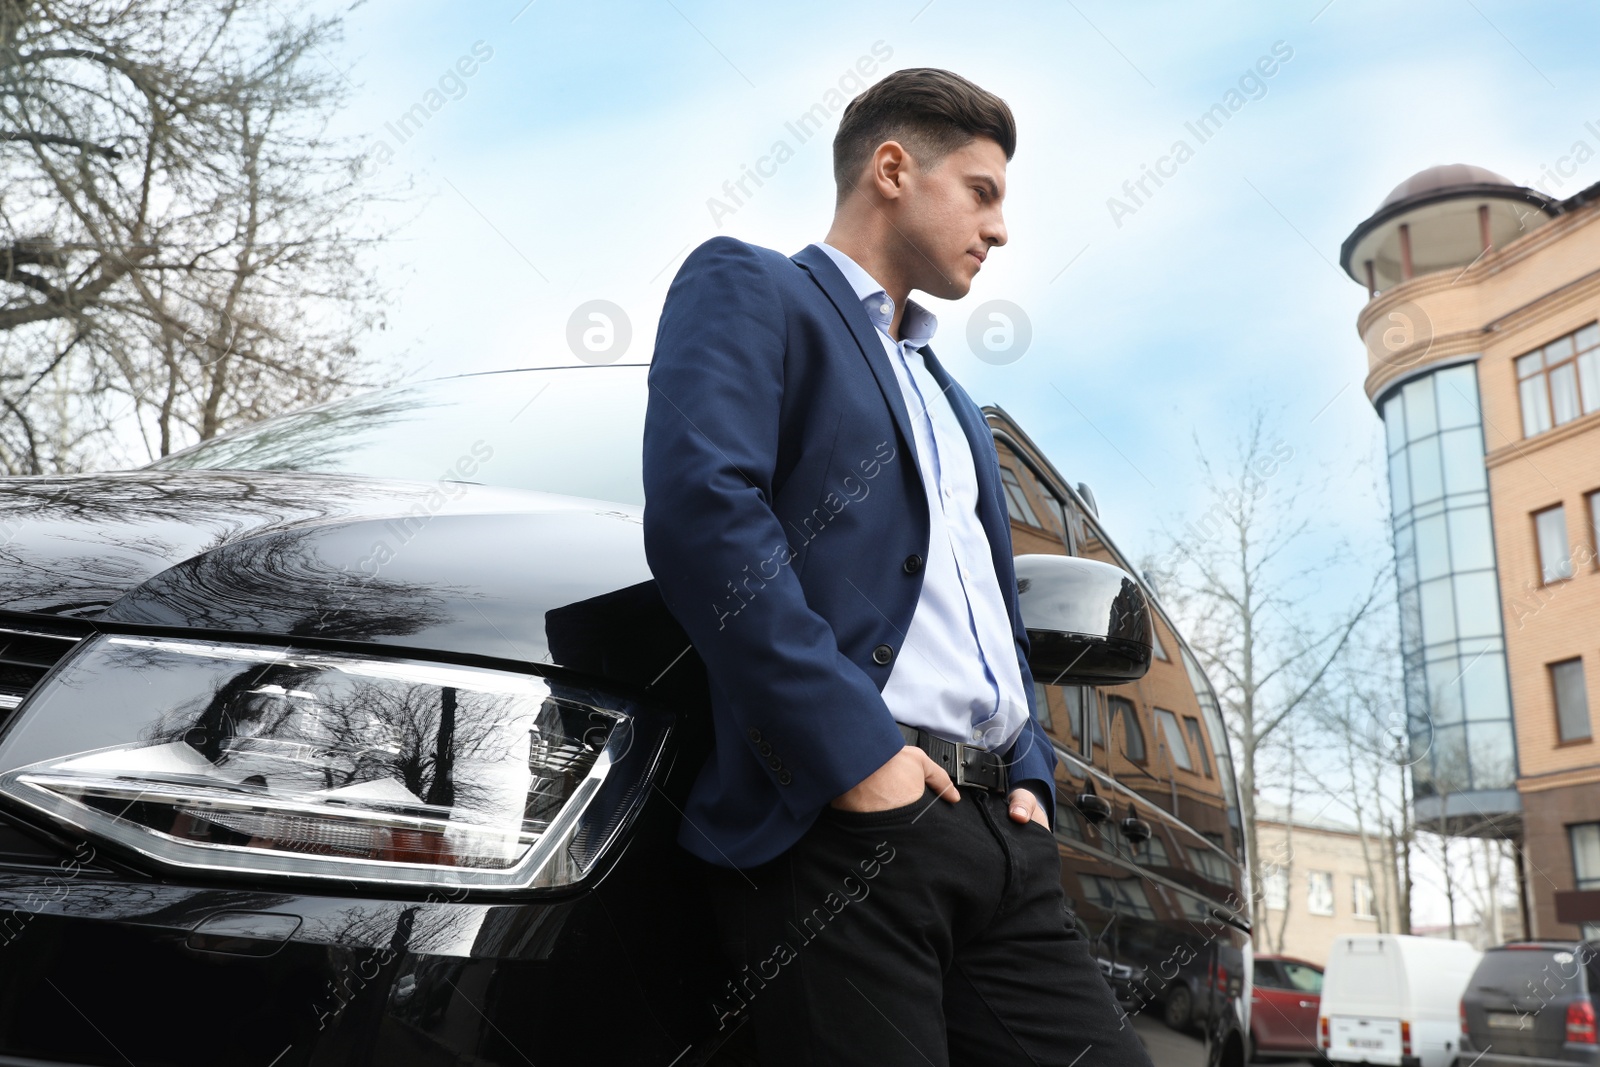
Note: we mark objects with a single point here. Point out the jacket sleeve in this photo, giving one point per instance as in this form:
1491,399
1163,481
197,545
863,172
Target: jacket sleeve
1032,758
719,554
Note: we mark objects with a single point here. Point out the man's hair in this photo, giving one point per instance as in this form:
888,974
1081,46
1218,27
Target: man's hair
931,112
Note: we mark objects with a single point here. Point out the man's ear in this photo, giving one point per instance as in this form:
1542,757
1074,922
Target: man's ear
886,170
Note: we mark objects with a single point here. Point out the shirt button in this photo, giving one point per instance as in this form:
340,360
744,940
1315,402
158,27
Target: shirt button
884,309
977,735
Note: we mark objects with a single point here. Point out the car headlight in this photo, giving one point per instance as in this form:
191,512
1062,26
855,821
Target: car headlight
281,761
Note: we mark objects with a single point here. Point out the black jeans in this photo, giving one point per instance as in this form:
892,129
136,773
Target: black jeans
936,933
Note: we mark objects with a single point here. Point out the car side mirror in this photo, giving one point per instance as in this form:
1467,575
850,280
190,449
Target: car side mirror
1088,622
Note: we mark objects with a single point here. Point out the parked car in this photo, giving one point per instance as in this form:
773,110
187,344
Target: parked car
1532,1003
1394,999
359,736
1284,1000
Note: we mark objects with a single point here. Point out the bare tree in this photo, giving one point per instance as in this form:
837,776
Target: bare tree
181,243
1366,757
1240,586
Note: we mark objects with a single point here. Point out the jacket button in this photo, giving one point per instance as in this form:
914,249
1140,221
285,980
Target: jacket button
882,654
764,748
784,777
913,564
775,763
754,734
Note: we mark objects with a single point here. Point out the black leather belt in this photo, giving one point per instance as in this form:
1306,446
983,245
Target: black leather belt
965,764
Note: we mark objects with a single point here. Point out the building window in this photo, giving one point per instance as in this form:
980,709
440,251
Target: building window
1572,702
1017,500
1199,740
1173,735
1361,897
1452,639
1151,852
1125,895
1585,839
1594,524
1319,892
1275,890
1041,702
1081,704
1210,866
1119,708
1560,381
1555,555
1586,854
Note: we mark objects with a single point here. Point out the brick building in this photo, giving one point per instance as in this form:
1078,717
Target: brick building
1482,334
1320,878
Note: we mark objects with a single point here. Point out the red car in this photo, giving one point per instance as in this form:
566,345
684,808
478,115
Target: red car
1283,1008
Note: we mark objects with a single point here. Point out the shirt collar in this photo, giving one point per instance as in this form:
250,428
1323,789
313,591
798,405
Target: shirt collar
916,327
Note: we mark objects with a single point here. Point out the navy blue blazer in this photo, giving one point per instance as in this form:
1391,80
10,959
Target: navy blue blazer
785,523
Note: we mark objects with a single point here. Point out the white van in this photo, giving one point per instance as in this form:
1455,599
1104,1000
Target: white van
1394,999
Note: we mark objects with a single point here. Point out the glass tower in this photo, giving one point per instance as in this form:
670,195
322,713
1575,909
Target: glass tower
1457,693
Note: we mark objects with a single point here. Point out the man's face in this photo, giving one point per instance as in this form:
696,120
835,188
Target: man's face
950,218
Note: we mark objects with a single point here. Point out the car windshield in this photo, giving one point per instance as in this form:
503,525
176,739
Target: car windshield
571,430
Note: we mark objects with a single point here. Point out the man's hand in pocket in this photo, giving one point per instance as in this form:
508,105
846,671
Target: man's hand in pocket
898,783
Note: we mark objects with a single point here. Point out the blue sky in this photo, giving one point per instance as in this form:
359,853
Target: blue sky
578,161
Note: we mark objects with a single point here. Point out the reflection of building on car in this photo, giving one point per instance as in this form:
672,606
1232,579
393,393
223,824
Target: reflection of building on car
1154,860
366,728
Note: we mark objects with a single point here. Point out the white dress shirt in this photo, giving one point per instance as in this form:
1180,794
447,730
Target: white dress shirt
957,674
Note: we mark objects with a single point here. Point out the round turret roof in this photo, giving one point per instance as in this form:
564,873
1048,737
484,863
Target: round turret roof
1444,176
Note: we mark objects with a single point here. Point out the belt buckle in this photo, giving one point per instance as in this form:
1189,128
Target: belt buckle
993,777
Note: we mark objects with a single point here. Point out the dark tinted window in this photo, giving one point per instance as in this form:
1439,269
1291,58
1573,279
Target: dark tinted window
1268,976
1193,726
1132,734
1016,500
572,430
1511,970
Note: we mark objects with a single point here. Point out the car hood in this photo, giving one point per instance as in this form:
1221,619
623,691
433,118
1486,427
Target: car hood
470,570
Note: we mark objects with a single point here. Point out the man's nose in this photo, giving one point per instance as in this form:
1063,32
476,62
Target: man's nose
994,232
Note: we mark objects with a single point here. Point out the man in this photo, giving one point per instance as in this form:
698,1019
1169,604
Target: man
824,516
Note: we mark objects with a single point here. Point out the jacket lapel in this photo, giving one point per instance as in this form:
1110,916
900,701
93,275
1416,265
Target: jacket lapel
992,512
827,276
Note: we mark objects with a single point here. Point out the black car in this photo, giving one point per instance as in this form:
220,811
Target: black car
359,736
1532,1003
